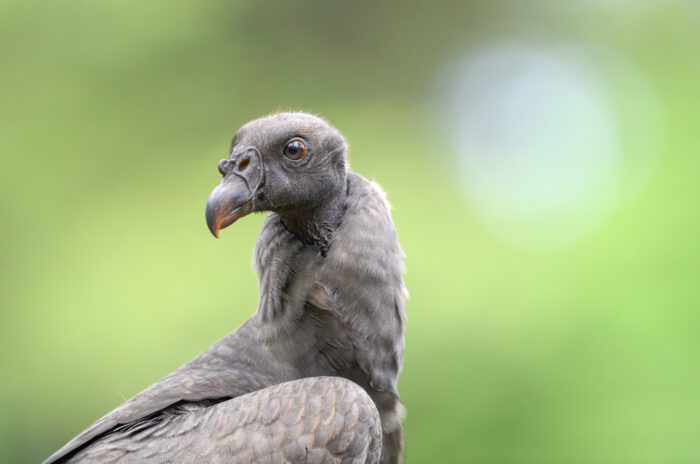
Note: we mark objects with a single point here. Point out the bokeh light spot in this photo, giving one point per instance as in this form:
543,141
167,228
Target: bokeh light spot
537,138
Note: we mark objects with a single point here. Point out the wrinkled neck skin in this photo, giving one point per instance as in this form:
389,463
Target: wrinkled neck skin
315,223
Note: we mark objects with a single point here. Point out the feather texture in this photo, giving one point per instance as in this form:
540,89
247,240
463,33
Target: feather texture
340,314
319,419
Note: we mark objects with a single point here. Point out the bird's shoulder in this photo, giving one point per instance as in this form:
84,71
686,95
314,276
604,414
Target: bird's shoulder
225,370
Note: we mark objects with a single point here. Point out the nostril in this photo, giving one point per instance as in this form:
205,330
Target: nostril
243,163
223,166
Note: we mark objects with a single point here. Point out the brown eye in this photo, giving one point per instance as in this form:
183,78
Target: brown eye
295,150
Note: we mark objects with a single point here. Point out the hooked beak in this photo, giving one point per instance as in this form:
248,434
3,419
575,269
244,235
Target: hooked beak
229,201
233,197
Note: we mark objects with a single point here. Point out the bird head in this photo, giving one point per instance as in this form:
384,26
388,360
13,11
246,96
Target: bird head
288,163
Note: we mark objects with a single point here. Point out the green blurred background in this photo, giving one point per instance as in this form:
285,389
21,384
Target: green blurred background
552,243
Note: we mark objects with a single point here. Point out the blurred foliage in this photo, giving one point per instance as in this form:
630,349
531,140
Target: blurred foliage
113,116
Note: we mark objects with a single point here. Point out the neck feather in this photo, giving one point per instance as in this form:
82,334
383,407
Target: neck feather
359,280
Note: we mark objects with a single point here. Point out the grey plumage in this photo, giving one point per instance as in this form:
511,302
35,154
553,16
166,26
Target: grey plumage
331,305
322,419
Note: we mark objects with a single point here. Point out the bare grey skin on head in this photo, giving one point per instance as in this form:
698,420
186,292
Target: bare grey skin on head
312,376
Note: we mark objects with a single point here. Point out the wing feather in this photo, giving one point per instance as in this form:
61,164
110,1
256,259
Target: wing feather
317,419
226,370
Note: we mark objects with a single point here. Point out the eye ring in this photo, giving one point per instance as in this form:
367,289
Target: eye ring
295,150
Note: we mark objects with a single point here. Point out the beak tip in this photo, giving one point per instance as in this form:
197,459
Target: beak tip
212,219
225,205
214,230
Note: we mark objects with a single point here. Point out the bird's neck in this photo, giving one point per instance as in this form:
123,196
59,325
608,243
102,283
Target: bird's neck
315,222
355,290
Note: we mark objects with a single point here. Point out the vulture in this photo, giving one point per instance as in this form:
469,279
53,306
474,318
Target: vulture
312,376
